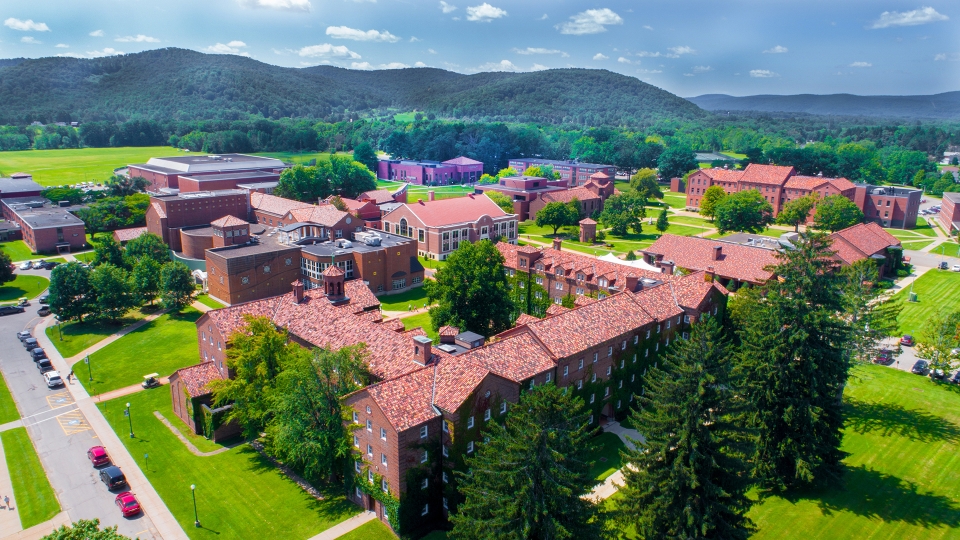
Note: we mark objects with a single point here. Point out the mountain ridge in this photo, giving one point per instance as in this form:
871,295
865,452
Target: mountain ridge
942,106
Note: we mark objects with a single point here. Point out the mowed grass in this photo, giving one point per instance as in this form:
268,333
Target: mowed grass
22,286
35,500
405,301
240,495
75,165
605,452
79,336
936,289
422,320
8,408
371,530
163,345
916,246
17,250
86,256
209,302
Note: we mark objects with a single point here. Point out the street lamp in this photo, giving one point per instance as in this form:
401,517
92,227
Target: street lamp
130,418
86,360
196,517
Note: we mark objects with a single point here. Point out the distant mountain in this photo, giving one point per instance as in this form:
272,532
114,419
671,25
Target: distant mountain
186,85
944,106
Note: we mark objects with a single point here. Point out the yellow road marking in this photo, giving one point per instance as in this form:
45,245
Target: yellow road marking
73,422
60,399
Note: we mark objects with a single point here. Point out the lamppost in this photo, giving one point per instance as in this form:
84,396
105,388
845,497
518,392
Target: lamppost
196,517
130,418
86,360
60,327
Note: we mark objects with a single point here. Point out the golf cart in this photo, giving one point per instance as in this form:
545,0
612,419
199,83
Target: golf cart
151,381
23,302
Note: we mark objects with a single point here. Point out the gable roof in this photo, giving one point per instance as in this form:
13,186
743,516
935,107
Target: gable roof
575,263
723,175
766,174
407,400
272,204
516,357
805,182
581,193
324,214
456,210
158,208
125,235
461,160
861,241
740,262
228,221
195,378
378,196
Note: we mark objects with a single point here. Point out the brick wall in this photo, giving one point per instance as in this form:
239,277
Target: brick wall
252,277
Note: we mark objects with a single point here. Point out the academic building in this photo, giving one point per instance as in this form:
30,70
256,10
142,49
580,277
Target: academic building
573,172
206,172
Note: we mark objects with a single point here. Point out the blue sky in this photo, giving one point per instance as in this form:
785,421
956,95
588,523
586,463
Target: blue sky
688,47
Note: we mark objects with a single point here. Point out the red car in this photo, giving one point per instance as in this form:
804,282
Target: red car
128,504
98,456
907,340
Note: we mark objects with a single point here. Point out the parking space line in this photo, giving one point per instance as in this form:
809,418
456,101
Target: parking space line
60,399
73,422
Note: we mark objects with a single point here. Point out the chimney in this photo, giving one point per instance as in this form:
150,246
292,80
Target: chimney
631,282
666,267
431,195
556,244
709,274
717,252
422,350
297,291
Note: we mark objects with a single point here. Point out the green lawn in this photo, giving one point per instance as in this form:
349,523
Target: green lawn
405,118
8,409
935,289
924,228
421,320
209,302
371,530
36,501
17,250
675,200
240,495
771,232
163,345
431,263
79,336
73,165
606,455
23,286
613,243
689,220
403,301
916,246
86,256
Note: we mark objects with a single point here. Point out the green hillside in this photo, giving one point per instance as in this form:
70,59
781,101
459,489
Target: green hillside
939,106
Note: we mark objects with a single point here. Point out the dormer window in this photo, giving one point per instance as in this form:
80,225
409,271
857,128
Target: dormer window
579,277
559,271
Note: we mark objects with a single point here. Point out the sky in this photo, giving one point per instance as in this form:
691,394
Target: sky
688,47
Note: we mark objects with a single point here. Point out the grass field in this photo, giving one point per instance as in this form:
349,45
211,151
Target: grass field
23,286
613,243
36,501
240,494
405,118
79,336
935,289
403,301
371,530
163,345
916,246
17,250
86,256
8,409
73,165
209,302
422,320
606,455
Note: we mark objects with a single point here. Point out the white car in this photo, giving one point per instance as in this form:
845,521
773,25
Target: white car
38,265
52,378
955,268
26,265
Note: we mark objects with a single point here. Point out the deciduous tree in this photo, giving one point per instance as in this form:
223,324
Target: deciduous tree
744,211
145,279
350,178
147,246
114,295
121,186
557,214
796,211
85,529
836,212
108,251
364,153
177,283
305,183
70,292
711,198
509,171
939,338
675,162
622,212
6,270
871,321
644,182
504,202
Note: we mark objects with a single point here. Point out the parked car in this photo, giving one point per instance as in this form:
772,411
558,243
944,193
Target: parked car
30,343
128,504
38,354
52,378
112,477
10,310
45,299
27,265
43,311
937,374
885,357
98,456
943,265
44,365
24,334
907,340
49,265
920,368
955,379
23,302
38,265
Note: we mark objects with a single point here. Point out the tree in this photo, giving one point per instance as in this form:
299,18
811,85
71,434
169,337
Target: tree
308,430
305,183
836,212
631,256
624,211
939,338
531,478
557,214
147,246
177,283
85,529
487,179
871,322
688,478
662,222
471,290
363,153
145,279
509,171
338,203
644,182
114,294
57,194
711,198
743,211
122,186
675,162
69,291
108,251
504,202
542,171
793,367
796,211
350,178
919,178
6,271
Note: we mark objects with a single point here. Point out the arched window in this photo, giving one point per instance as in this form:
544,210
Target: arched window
403,227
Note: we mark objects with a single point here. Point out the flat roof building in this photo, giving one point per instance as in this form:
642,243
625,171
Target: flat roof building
166,172
45,228
19,185
574,172
459,170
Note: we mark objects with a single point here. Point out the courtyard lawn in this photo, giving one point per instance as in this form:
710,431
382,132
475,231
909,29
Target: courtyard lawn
23,286
606,449
35,499
403,301
371,530
687,220
163,345
75,165
769,231
17,250
916,246
675,200
240,494
924,227
86,256
80,336
8,408
209,302
935,289
422,320
431,263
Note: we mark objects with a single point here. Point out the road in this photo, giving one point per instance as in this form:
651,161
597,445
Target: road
61,433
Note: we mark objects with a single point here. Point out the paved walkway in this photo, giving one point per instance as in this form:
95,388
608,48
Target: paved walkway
39,531
190,446
127,390
615,481
102,343
9,516
344,527
10,425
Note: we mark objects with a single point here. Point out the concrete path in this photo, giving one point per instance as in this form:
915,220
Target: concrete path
344,527
127,390
186,442
40,530
615,481
9,516
11,425
102,343
202,308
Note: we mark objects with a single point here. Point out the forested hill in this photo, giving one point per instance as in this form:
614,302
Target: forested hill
944,106
186,85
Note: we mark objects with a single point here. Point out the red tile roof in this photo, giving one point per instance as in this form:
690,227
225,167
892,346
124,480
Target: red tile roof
692,289
125,235
271,204
587,221
460,160
525,318
515,357
567,195
862,241
766,174
158,209
808,183
744,263
659,301
378,196
456,379
456,210
325,214
576,263
228,221
394,324
448,331
842,184
333,271
556,309
407,400
195,378
723,175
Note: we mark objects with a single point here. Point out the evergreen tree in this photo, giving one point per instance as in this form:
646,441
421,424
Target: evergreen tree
177,284
688,479
529,480
793,364
662,222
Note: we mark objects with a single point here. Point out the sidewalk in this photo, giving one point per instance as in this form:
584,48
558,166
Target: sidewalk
164,521
344,527
127,390
40,530
9,516
614,482
102,343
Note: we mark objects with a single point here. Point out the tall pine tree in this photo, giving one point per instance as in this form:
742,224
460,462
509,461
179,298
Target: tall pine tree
529,480
688,479
794,367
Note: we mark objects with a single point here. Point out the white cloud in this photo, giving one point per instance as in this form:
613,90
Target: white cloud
677,51
26,26
649,71
419,64
62,46
328,50
648,54
763,73
368,65
538,67
30,39
139,38
414,39
230,48
915,17
361,65
283,5
623,60
776,50
447,8
952,57
702,69
861,64
503,65
543,17
484,13
591,21
107,51
70,55
394,65
97,33
431,51
600,56
647,27
345,32
541,50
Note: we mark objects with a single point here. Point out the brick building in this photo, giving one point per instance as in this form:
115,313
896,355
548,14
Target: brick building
19,185
165,173
459,170
522,190
260,180
440,226
167,214
889,206
573,172
247,272
386,196
949,214
44,227
732,264
866,241
386,262
269,210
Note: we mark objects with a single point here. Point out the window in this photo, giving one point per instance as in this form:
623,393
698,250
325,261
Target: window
593,397
426,510
423,432
383,433
445,451
619,402
549,377
623,346
686,335
370,425
593,377
646,353
581,365
369,450
566,370
486,415
425,483
503,407
383,459
539,280
608,370
383,486
356,441
469,422
580,384
356,466
559,271
420,236
622,362
686,319
539,295
532,382
358,493
658,328
370,476
580,290
596,356
356,418
558,285
636,339
445,480
634,358
648,333
609,351
620,385
423,458
445,507
470,447
606,391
